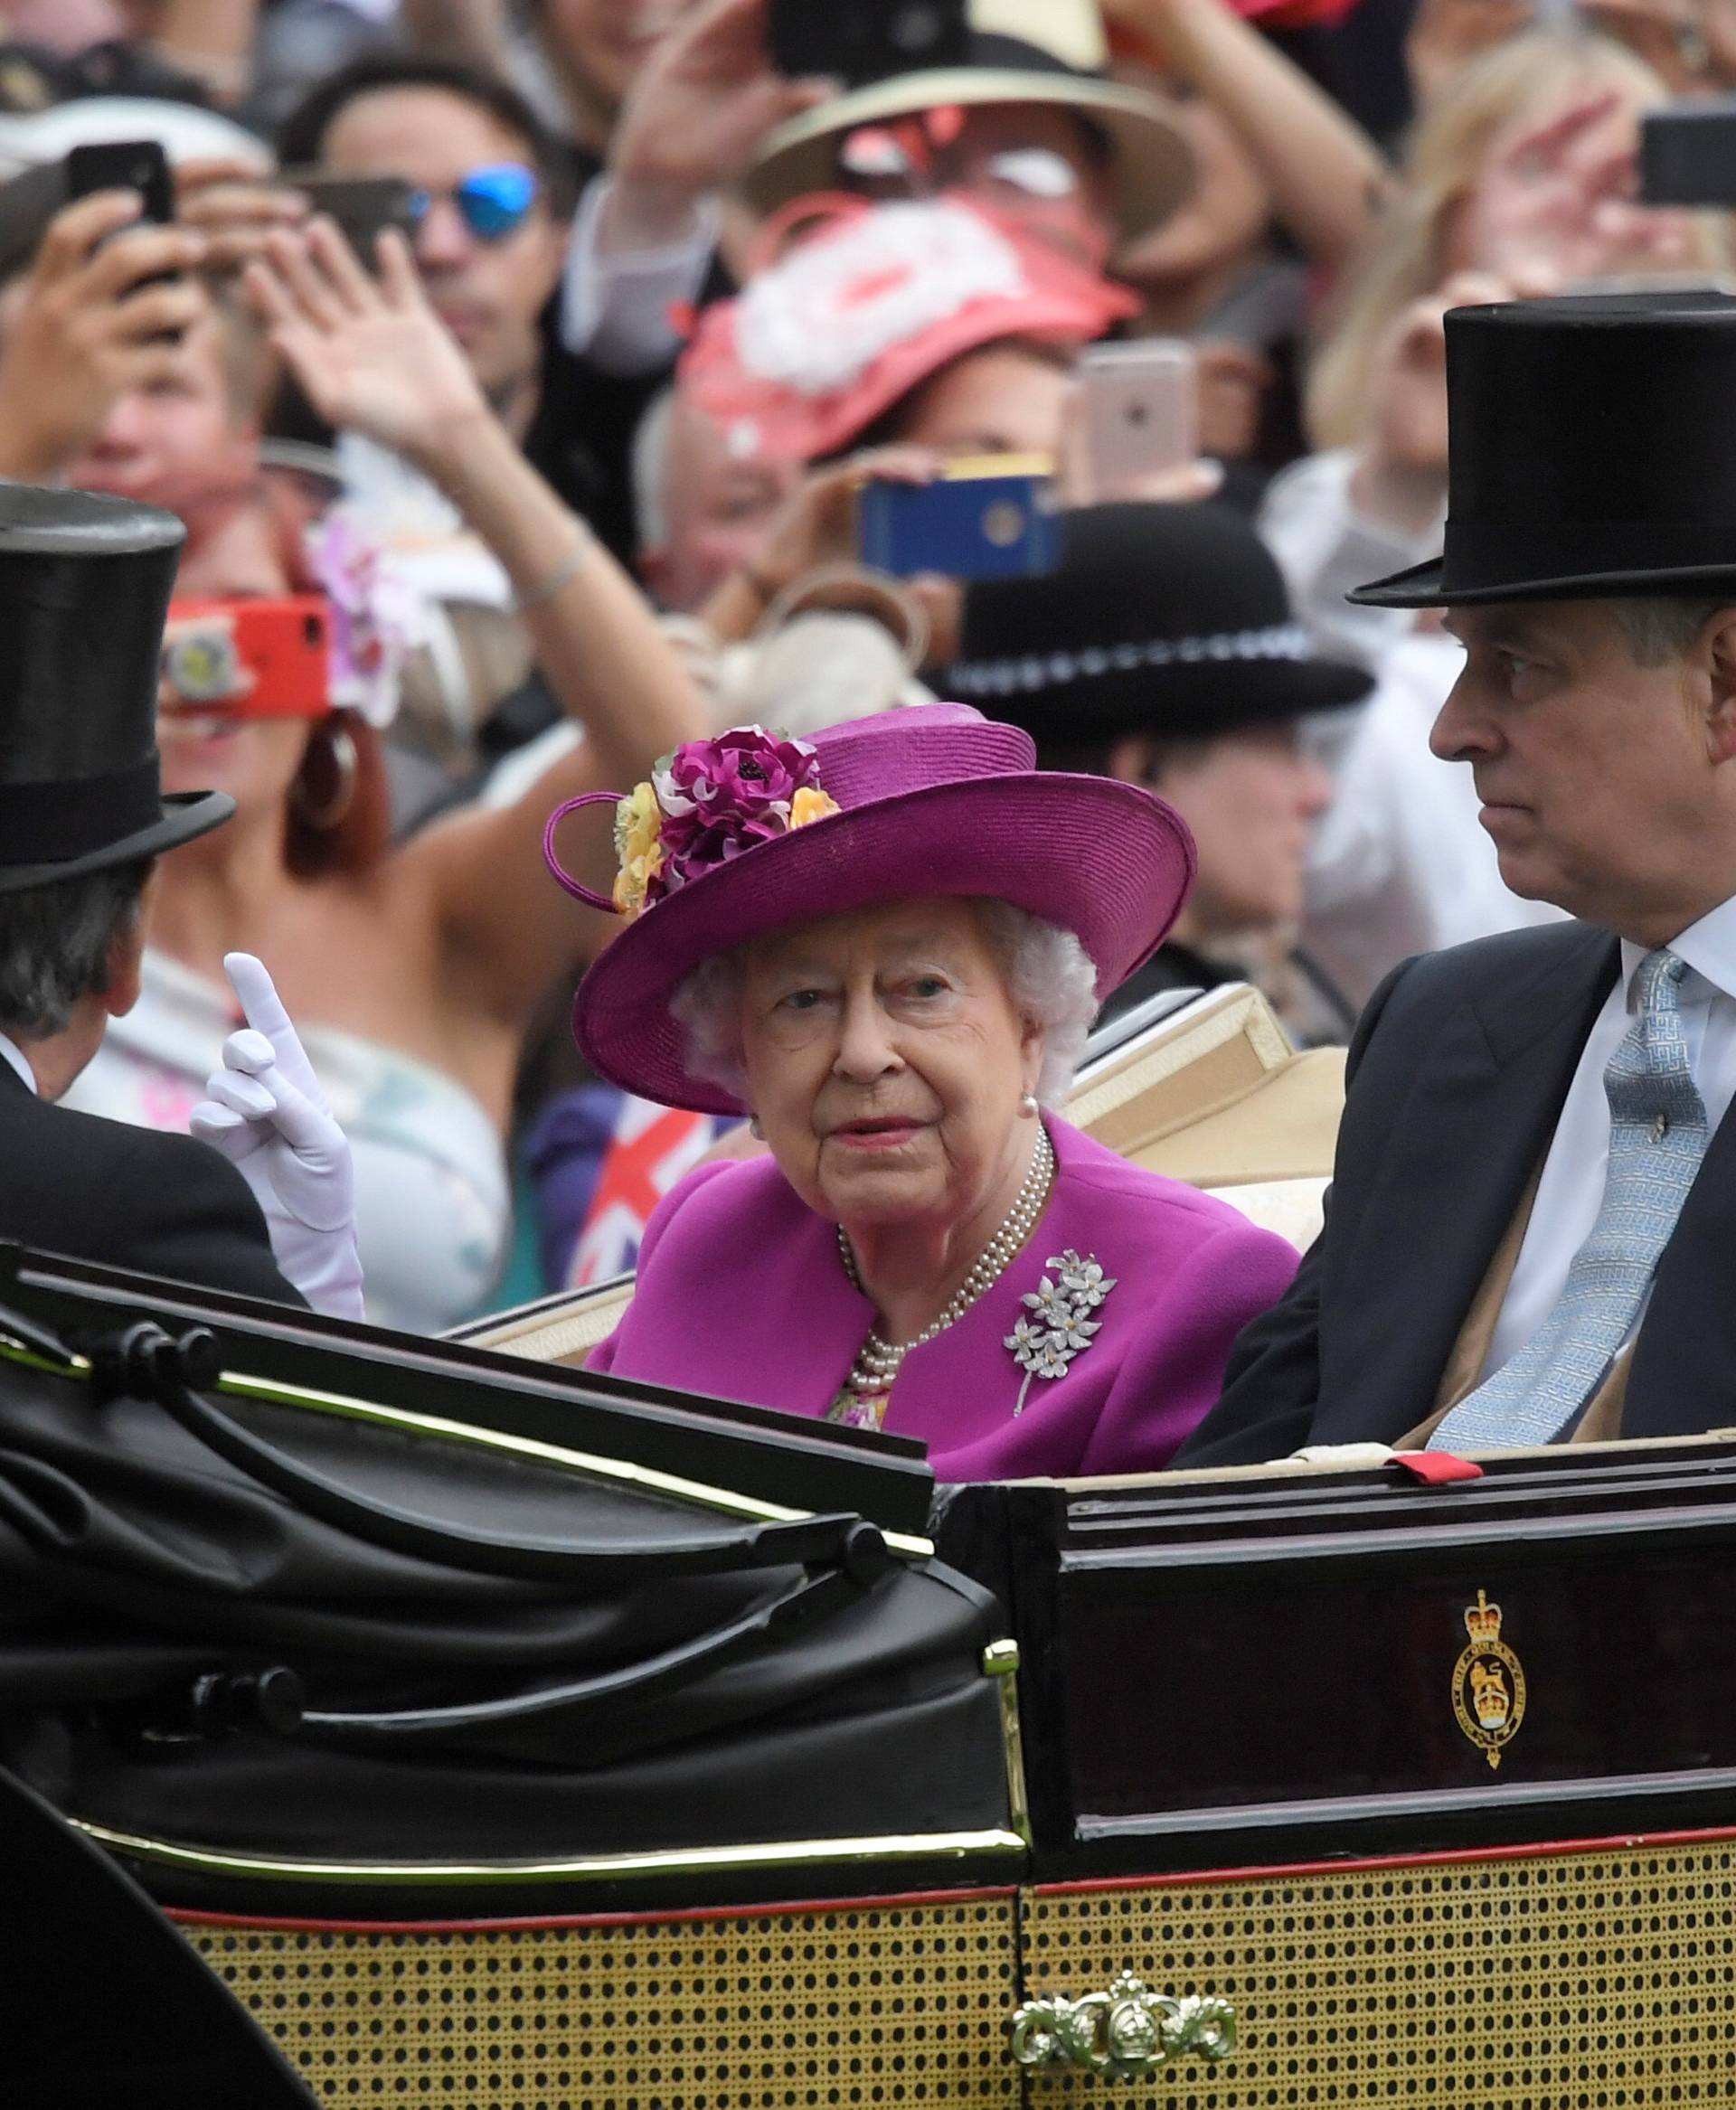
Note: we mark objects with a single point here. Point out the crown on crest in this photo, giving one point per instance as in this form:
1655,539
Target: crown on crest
1483,1620
1490,1697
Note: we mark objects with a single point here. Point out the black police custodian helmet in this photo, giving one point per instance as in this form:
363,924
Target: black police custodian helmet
1171,620
84,590
1591,452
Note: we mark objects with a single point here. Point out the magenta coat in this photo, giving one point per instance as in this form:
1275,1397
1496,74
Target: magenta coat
741,1293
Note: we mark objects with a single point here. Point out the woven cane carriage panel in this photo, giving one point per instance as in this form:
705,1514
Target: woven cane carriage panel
886,2005
1574,1981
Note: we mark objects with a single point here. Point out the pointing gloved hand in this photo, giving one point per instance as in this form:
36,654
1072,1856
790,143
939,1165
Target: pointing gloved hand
267,1114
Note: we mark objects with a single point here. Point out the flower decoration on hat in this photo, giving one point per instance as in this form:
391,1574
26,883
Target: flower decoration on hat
818,321
378,616
870,303
703,806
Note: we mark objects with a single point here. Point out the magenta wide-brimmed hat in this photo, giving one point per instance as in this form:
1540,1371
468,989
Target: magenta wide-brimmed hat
749,833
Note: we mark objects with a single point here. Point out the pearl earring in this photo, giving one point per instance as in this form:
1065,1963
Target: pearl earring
1028,1106
754,1129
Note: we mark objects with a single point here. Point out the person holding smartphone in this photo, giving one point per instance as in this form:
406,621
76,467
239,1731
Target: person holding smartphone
413,969
104,312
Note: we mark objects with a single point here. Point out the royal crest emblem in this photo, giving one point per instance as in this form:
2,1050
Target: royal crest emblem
1488,1683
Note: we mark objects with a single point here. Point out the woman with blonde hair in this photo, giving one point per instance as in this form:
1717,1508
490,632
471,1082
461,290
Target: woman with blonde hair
1525,162
1519,181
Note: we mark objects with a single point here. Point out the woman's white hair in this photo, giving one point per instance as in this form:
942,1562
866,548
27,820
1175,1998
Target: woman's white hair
1048,972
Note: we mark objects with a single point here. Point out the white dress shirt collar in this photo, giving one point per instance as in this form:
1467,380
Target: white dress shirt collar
15,1055
1709,949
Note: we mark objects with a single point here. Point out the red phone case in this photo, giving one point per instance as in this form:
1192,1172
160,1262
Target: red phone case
249,658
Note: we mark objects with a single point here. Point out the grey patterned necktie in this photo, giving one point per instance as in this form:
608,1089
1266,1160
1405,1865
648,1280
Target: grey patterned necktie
1658,1139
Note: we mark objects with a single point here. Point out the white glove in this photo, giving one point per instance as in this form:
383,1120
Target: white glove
266,1112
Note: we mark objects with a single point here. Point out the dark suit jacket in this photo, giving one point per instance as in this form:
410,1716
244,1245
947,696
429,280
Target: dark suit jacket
1457,1077
127,1197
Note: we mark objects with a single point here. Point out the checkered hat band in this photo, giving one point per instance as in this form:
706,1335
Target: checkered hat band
1032,670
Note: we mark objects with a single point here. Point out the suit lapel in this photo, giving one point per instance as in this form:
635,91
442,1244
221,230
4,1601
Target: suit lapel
1476,1120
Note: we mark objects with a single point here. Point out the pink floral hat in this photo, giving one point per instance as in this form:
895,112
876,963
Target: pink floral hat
734,837
867,306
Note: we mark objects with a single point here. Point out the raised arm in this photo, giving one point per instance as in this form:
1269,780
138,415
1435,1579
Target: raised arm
211,39
374,358
1327,175
101,314
474,30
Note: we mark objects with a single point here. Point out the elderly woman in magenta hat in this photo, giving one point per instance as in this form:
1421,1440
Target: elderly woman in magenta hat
886,947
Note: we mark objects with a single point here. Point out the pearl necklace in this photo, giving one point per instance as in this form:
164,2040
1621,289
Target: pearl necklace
878,1361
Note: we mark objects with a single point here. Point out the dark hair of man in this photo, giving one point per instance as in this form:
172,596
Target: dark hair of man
55,942
302,141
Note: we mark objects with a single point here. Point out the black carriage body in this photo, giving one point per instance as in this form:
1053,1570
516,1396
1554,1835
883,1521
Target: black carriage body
394,1627
1251,1669
1435,1785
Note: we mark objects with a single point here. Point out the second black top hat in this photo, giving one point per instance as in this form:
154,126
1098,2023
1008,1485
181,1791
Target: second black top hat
1591,452
84,589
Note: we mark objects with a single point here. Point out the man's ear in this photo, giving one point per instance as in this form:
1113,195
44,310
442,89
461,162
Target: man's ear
125,966
553,259
1718,644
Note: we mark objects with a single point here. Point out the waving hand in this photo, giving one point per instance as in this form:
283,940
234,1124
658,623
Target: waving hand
371,356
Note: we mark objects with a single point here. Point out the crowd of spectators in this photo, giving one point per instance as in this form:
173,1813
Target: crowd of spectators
574,449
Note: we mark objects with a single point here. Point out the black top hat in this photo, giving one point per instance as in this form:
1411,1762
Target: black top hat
1591,452
84,590
1164,619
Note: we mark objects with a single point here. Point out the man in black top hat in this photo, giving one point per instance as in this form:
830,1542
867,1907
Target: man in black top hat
84,587
1534,1200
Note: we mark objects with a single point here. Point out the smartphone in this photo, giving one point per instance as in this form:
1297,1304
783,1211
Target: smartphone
125,165
861,41
362,206
1687,152
990,516
1141,414
252,658
129,165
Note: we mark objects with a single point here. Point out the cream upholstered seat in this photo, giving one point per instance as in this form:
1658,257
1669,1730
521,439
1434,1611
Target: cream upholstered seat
1210,1092
1214,1093
556,1329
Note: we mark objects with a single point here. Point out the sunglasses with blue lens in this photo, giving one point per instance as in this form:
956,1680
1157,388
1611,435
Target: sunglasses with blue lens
493,202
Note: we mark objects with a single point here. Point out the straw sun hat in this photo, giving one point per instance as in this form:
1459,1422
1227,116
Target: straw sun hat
1050,52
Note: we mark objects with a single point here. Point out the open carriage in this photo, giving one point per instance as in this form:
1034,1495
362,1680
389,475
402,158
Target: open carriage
506,1735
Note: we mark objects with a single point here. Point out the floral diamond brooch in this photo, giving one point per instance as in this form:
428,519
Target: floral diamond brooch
1059,1326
